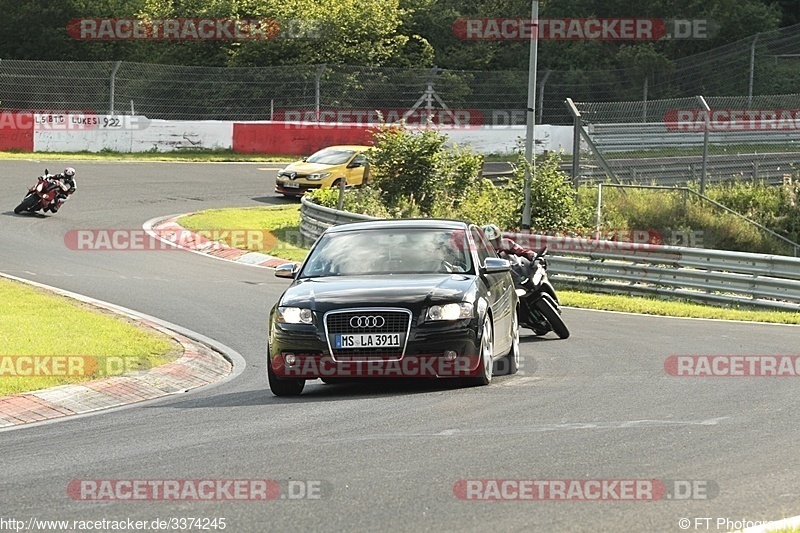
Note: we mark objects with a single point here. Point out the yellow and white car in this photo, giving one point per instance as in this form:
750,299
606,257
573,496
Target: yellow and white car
324,169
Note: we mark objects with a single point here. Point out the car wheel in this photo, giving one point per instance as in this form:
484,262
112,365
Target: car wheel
283,387
486,363
510,363
548,309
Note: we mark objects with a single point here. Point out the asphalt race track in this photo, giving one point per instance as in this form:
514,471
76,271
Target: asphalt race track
596,406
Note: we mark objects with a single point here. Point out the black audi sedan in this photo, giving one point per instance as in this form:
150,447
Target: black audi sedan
394,298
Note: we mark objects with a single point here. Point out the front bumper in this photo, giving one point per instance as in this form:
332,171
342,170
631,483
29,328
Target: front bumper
300,190
301,351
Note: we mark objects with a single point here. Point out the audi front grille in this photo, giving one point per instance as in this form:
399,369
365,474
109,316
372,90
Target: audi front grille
383,321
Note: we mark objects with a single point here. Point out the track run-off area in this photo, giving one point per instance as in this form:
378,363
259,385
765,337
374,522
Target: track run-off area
399,455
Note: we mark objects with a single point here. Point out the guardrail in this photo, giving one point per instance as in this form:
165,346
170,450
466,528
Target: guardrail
314,219
772,169
695,274
656,135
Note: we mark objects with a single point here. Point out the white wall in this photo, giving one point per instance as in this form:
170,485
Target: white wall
503,139
140,135
72,133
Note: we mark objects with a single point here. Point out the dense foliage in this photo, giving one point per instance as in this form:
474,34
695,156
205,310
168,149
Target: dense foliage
379,32
420,174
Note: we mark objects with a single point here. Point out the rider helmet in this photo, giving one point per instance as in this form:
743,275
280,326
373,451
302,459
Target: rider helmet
491,231
69,173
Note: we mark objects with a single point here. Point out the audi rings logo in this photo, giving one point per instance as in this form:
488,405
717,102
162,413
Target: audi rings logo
367,322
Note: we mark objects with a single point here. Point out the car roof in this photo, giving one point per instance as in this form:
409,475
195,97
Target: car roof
388,224
353,147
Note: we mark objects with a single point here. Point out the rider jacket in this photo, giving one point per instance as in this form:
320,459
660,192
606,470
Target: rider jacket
67,185
510,247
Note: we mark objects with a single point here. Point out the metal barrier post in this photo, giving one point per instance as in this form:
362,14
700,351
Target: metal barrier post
706,129
576,141
599,208
340,203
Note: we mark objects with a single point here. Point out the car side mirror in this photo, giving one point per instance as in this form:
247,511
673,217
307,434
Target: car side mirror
495,265
355,164
289,271
305,158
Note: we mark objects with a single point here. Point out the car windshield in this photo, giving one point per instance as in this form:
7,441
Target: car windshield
331,157
396,251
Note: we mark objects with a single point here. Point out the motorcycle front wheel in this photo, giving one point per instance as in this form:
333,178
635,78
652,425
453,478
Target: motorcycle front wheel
27,203
548,310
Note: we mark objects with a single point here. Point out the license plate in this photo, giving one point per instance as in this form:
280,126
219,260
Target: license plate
291,185
368,340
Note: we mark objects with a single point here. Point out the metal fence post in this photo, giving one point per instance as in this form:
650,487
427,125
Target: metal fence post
644,101
706,129
541,96
752,71
112,88
599,208
340,202
576,141
320,70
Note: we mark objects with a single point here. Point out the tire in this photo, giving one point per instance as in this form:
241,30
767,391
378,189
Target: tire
548,309
27,203
283,387
486,363
509,364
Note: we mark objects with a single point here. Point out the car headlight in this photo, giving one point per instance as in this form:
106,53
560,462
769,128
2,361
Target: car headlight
281,173
450,311
295,315
319,176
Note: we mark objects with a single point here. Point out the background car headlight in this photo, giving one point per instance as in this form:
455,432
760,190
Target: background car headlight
281,173
294,315
319,176
450,311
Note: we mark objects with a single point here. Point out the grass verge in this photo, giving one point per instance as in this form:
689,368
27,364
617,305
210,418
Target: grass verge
198,156
656,306
35,322
284,222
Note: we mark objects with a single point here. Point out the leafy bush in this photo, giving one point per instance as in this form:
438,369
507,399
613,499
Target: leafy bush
554,204
364,200
418,174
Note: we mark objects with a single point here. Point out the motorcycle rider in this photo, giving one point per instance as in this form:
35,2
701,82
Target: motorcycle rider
505,246
66,187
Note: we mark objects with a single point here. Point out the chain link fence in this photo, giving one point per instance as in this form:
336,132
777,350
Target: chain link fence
767,63
691,140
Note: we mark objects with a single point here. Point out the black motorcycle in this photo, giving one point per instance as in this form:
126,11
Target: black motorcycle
539,308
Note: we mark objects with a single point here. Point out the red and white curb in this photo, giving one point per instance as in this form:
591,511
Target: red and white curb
200,365
167,230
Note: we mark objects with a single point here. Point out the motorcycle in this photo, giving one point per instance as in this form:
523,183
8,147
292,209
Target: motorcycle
539,308
40,196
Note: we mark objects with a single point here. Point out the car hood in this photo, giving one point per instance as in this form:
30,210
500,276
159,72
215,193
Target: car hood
309,168
324,294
